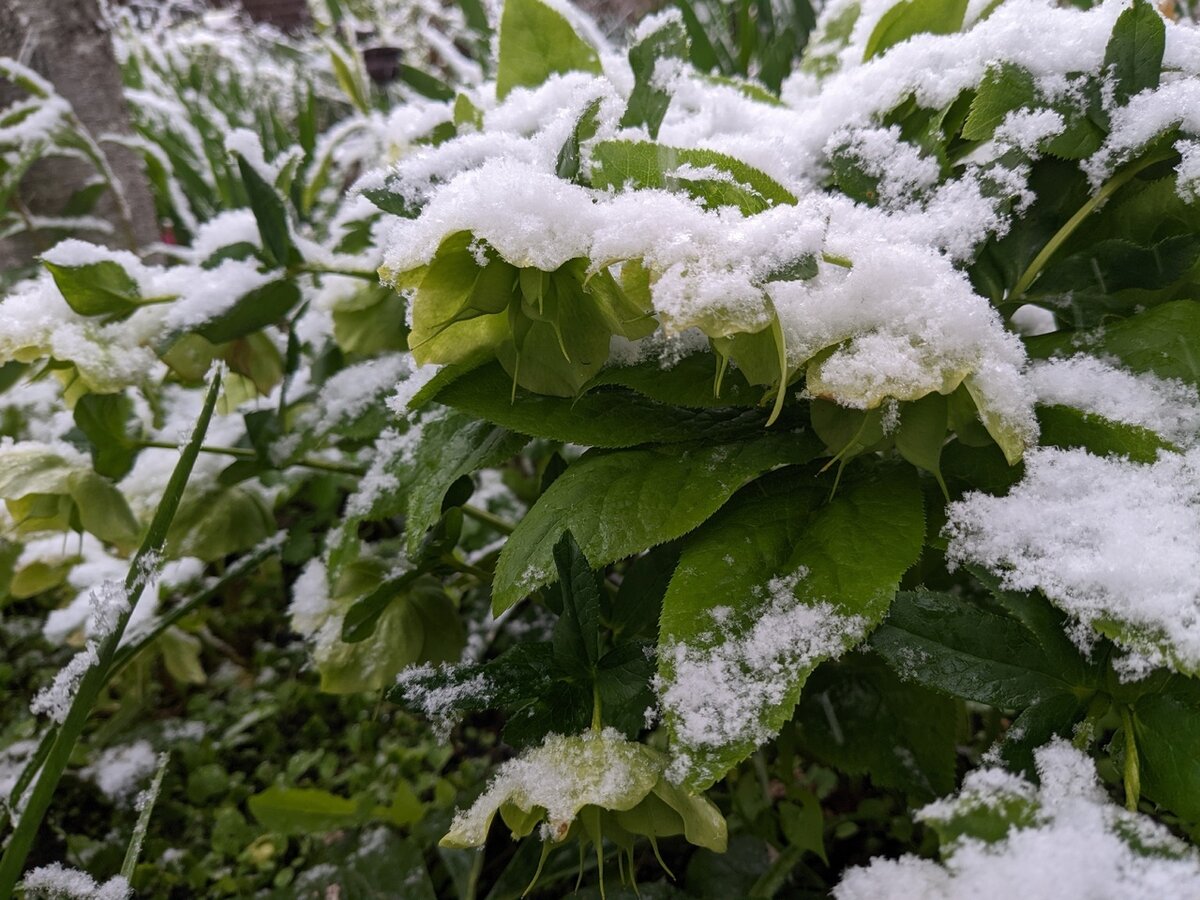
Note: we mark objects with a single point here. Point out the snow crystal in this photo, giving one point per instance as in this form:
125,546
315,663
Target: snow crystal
58,882
55,700
352,391
1167,406
1188,171
438,702
410,387
720,690
1105,539
1076,845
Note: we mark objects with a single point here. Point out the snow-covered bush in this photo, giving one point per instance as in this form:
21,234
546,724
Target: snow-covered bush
687,424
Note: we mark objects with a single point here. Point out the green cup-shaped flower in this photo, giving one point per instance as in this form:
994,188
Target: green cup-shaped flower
590,786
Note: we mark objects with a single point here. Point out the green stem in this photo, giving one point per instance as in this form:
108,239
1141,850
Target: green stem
487,518
247,453
311,269
1109,188
1133,776
12,864
246,564
597,721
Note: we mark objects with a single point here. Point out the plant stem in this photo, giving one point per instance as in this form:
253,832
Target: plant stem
247,453
246,564
12,864
487,518
364,274
1109,188
471,512
1133,777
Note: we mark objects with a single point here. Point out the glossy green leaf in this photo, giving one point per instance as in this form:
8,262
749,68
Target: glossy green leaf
450,447
211,525
1167,725
644,164
958,646
1004,89
851,551
535,43
911,17
647,102
861,718
598,418
1135,51
657,495
269,213
104,418
576,637
96,289
257,309
1161,340
1064,426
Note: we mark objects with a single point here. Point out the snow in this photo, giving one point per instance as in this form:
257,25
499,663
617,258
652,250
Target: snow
438,702
55,700
1167,406
119,771
722,684
1105,539
1077,845
57,881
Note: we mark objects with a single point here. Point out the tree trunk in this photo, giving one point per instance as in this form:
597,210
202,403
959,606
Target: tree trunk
67,42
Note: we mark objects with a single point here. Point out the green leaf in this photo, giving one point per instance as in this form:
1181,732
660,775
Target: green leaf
861,718
1161,340
102,509
423,83
375,328
599,418
372,865
269,213
922,433
211,525
636,609
1065,426
648,103
577,634
1004,89
741,548
1135,51
459,309
911,17
450,447
1167,725
535,43
647,165
96,289
849,553
306,810
689,383
103,419
656,494
954,645
567,165
257,309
